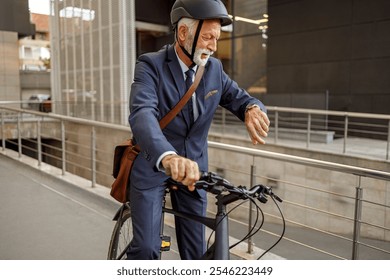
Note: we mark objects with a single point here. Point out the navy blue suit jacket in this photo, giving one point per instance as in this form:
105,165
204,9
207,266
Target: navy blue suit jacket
158,85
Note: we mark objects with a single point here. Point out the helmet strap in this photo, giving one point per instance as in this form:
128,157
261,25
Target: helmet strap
194,43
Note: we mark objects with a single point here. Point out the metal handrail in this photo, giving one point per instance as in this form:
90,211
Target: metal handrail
345,127
329,113
377,126
347,169
359,171
249,151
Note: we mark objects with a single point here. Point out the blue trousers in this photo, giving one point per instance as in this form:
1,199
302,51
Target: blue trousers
146,210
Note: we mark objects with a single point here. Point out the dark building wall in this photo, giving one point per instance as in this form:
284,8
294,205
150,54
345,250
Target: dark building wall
15,16
153,11
337,46
249,55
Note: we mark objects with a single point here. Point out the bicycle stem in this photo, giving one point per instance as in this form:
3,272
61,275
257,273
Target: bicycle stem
221,231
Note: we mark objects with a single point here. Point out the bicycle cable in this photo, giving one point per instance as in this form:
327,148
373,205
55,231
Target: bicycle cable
283,231
226,215
251,232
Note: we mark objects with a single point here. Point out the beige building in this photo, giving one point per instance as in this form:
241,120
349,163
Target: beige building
9,67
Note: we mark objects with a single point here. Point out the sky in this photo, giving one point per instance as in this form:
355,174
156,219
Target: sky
39,6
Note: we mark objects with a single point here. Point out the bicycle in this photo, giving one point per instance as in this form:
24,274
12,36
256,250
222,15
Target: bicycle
225,193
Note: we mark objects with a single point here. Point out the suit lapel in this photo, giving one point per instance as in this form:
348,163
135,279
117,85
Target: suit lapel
176,72
177,76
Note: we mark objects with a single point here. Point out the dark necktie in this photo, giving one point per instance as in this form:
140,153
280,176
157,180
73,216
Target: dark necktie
190,74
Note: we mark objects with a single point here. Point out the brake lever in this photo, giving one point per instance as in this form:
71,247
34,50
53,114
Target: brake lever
271,193
277,198
264,191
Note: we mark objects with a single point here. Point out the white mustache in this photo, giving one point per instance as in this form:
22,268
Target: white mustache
198,56
206,52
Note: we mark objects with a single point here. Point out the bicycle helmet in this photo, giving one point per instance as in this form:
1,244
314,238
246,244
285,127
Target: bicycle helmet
199,9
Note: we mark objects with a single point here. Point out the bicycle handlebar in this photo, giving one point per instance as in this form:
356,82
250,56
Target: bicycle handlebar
213,183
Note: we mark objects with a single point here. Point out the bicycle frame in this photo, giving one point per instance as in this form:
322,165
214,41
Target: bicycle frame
225,193
220,225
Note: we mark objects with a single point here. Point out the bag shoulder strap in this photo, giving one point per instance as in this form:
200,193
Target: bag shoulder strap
183,101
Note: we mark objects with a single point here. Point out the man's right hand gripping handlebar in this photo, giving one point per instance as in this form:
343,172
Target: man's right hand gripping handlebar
182,170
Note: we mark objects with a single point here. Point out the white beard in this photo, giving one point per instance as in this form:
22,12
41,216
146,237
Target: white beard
198,60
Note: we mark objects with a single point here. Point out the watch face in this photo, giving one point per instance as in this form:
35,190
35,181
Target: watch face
250,107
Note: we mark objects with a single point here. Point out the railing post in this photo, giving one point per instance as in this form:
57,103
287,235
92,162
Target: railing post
2,131
388,142
357,219
223,120
93,156
39,143
326,108
252,183
63,147
276,126
19,138
308,130
345,134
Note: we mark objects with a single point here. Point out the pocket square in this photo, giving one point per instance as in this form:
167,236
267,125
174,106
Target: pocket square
211,93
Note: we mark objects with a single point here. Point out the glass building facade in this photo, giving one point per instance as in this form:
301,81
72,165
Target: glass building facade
95,44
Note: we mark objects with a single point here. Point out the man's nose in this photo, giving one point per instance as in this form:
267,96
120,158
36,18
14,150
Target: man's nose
213,45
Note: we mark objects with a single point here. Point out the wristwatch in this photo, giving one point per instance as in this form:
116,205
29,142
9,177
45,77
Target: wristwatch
251,106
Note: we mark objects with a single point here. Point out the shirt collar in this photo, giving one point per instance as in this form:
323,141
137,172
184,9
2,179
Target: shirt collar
183,66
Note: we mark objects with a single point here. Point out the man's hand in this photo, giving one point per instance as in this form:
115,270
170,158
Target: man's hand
182,170
257,124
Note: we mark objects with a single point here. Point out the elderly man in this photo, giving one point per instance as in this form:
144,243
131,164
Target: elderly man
180,149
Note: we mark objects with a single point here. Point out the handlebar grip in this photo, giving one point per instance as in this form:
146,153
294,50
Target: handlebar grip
203,176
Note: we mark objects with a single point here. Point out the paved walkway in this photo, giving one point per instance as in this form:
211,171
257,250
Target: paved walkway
44,218
50,217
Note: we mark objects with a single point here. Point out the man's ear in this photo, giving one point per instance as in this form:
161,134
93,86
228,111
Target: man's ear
182,33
